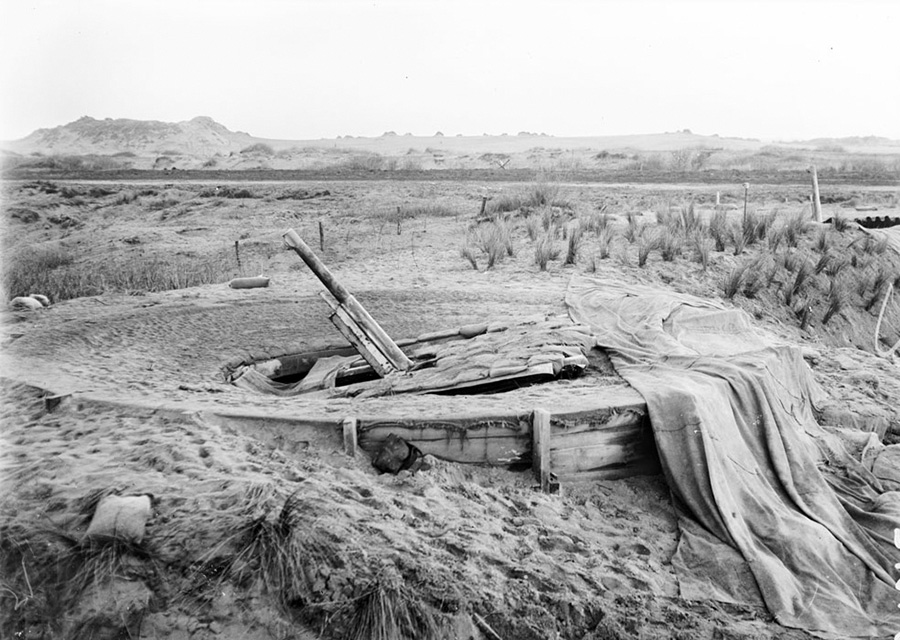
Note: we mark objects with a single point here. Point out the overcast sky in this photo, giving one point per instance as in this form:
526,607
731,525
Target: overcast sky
300,69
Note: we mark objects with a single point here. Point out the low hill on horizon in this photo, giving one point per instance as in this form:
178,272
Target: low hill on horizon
203,143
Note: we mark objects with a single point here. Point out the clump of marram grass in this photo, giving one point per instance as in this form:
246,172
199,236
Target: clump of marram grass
795,227
494,239
595,221
718,229
822,263
546,249
876,279
835,266
645,245
775,235
802,311
733,281
670,244
689,219
46,573
633,230
390,610
822,243
604,242
468,252
839,222
701,246
290,560
751,228
801,276
756,276
533,226
836,300
572,245
739,238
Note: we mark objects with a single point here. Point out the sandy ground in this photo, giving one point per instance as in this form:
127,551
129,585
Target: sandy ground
123,394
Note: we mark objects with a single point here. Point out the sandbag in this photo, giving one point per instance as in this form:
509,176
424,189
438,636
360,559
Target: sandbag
249,283
121,518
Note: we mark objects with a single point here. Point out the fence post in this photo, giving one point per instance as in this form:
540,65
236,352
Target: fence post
816,203
540,461
349,426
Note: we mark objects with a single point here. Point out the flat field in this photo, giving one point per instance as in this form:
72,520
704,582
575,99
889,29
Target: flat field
143,320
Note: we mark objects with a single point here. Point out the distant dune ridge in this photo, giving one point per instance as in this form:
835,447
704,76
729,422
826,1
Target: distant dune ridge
203,143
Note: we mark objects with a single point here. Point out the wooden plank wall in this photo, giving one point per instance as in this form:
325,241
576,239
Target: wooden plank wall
498,440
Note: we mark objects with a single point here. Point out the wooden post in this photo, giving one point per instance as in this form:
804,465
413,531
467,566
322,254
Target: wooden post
349,426
717,198
355,335
237,252
746,193
398,221
372,329
321,237
540,454
816,202
483,205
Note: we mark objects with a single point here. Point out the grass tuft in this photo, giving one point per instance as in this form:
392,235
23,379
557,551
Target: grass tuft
836,301
572,245
733,281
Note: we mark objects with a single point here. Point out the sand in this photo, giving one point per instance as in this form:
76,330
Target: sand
124,394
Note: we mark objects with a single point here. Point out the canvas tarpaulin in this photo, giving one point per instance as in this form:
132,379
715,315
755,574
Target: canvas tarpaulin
771,504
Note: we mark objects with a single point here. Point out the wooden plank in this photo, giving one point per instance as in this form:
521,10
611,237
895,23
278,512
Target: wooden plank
350,444
612,428
537,371
497,440
357,337
626,450
366,322
541,448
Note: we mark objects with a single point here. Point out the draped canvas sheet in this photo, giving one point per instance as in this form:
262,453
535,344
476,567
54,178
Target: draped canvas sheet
732,415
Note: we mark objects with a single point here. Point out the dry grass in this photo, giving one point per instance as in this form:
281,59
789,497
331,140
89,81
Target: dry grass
546,249
573,244
718,229
836,300
733,281
390,610
56,273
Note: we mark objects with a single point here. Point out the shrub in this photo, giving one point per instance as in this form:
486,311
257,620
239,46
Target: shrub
259,149
226,191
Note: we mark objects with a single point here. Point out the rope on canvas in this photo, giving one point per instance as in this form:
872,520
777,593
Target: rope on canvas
889,352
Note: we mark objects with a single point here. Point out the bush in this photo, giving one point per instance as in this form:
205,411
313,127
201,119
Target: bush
259,149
